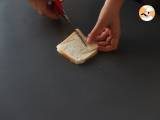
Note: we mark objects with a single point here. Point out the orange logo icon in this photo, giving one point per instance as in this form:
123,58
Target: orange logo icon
147,13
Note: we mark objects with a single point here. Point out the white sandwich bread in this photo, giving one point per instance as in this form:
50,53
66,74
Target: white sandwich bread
73,49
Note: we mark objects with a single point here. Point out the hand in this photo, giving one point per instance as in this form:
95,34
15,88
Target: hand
106,32
108,39
42,8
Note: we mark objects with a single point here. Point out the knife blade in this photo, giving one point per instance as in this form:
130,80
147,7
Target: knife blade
57,5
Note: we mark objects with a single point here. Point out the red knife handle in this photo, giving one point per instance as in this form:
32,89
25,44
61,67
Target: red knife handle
56,5
59,7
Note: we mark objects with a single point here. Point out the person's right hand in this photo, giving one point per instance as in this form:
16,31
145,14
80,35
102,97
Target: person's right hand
107,36
106,32
41,6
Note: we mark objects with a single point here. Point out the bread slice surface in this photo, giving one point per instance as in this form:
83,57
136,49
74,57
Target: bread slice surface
73,49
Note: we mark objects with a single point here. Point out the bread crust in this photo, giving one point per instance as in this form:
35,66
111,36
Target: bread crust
67,57
75,61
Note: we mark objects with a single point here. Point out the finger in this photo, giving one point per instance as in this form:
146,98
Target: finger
39,12
103,29
110,46
102,43
102,36
108,40
109,33
107,48
98,29
106,35
51,14
107,29
33,3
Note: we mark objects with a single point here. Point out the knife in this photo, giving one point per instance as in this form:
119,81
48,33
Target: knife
57,5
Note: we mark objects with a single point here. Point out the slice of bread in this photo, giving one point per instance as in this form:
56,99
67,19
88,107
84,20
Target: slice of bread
74,49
